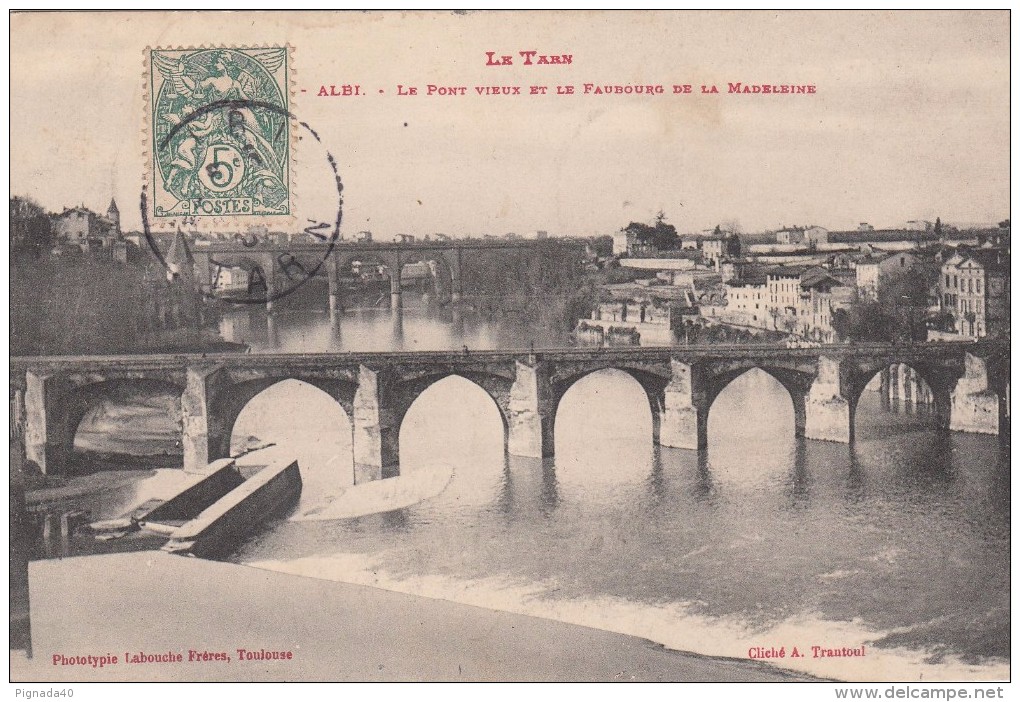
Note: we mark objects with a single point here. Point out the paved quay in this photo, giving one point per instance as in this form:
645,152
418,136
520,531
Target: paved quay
159,604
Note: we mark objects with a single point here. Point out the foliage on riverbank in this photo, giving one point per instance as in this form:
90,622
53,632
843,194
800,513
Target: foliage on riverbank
90,305
545,285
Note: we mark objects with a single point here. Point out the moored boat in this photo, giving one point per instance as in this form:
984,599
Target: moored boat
219,528
161,515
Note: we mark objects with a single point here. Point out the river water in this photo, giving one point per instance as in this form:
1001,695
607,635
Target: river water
899,543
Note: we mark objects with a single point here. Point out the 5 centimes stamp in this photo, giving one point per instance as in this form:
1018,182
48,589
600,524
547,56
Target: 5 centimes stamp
220,134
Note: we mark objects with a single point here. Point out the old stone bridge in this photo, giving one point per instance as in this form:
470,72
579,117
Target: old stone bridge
969,386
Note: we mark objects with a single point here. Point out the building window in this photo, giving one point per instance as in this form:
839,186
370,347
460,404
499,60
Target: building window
947,280
970,285
979,286
956,284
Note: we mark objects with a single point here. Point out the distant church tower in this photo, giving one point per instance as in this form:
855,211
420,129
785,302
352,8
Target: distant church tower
113,214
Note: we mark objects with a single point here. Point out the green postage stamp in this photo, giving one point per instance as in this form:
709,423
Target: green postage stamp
220,132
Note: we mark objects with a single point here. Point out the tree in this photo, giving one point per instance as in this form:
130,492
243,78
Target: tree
899,314
603,246
938,227
732,226
662,236
1004,224
841,324
31,229
943,321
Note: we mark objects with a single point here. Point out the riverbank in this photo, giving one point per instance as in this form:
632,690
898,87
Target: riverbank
157,604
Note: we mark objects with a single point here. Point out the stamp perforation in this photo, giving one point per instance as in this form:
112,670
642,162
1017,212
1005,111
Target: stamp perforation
256,167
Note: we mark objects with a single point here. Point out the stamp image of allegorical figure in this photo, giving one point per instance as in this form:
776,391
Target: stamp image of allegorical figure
220,132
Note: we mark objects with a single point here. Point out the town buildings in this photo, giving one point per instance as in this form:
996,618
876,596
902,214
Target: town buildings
918,225
231,279
720,248
650,308
713,248
821,296
876,271
803,235
783,283
799,300
747,302
974,289
87,230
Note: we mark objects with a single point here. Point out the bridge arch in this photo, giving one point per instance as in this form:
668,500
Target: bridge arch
308,423
228,402
381,258
795,381
496,387
937,381
444,277
430,428
653,385
81,399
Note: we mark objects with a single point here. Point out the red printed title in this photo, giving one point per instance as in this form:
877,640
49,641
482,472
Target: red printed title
531,58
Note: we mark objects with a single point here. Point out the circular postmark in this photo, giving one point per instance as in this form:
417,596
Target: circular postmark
274,270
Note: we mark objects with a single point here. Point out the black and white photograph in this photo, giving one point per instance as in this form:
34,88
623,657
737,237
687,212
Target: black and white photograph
506,346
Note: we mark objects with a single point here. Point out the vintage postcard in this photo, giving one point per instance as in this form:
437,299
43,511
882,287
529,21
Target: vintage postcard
517,346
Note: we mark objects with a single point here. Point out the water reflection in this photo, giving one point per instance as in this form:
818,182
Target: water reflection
413,327
656,480
790,533
550,495
505,494
800,477
704,488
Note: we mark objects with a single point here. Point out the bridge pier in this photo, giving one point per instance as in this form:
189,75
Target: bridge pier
530,416
908,377
799,414
335,292
49,438
974,407
683,422
269,268
456,285
828,414
396,293
376,434
203,278
201,435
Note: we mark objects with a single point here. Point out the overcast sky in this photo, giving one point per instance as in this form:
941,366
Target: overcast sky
910,119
